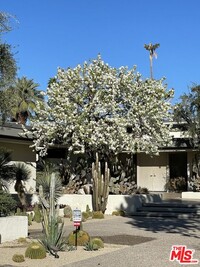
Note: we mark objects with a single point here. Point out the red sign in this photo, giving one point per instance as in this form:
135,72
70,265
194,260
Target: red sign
77,223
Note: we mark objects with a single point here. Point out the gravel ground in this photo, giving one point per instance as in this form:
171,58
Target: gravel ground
149,243
80,254
112,243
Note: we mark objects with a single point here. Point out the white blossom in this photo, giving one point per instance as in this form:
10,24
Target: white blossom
101,107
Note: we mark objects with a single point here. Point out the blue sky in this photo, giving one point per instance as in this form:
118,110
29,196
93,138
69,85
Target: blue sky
64,33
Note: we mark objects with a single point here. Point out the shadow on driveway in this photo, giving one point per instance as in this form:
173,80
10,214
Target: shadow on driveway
185,227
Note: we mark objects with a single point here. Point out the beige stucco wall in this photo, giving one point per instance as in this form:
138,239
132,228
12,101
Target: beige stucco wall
21,152
152,172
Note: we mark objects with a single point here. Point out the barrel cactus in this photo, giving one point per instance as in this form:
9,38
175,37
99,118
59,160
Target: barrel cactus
35,251
97,215
98,242
118,213
18,258
82,238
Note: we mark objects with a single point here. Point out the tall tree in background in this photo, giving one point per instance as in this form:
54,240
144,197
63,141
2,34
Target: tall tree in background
151,48
8,66
99,108
188,110
17,97
6,21
26,95
187,113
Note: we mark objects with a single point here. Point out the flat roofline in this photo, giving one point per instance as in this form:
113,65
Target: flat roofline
13,131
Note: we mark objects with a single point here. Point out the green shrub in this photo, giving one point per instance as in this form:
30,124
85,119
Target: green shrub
118,213
35,251
82,238
85,216
22,240
7,204
18,258
177,184
89,246
67,211
97,215
98,242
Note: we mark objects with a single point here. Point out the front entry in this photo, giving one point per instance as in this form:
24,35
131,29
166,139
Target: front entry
178,166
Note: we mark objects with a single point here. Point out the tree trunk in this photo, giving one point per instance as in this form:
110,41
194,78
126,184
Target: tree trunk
19,188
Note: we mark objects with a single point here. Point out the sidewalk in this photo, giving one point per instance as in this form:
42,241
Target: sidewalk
163,233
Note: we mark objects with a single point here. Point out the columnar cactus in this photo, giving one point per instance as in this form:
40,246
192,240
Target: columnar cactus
100,186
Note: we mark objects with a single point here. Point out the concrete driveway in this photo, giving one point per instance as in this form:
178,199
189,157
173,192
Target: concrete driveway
163,233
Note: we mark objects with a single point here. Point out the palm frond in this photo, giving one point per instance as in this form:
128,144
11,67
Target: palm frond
22,171
7,171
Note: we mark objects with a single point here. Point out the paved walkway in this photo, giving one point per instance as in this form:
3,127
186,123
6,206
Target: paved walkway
165,233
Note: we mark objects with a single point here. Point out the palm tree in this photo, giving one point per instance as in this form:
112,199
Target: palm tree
18,172
25,95
151,48
22,174
7,171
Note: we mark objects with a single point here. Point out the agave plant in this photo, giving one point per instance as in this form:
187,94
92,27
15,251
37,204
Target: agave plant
53,239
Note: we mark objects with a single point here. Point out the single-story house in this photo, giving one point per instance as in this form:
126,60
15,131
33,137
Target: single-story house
151,172
20,151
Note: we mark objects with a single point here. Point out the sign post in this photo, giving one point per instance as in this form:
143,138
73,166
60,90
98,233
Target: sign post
77,218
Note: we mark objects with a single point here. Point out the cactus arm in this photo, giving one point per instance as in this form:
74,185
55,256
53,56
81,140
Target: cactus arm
52,198
106,187
100,186
45,222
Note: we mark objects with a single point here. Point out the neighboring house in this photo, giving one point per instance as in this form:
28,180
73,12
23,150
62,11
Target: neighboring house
20,151
151,172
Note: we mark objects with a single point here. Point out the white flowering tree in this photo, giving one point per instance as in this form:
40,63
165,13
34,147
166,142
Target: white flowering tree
99,108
